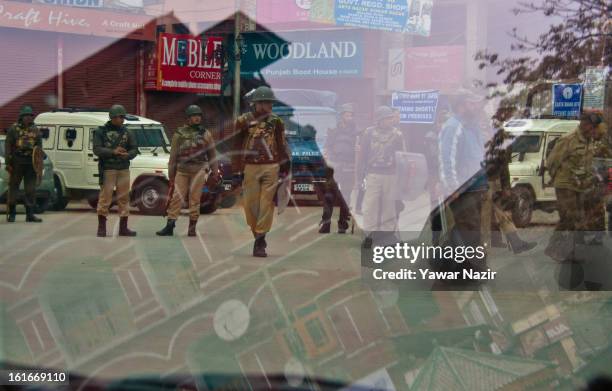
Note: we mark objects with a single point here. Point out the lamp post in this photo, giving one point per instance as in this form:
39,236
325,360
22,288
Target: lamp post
237,60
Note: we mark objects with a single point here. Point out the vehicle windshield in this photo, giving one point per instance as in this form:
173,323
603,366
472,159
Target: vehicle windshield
148,137
526,144
308,126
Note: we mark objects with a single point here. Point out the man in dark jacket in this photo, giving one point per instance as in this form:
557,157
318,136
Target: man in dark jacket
340,170
21,141
115,147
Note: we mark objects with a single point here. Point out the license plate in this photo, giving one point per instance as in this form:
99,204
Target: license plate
303,187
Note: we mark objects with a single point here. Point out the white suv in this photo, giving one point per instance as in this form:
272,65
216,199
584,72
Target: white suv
532,143
68,141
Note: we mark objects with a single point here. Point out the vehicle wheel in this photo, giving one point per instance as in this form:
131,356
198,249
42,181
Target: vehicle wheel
209,206
151,198
60,201
521,215
42,204
228,201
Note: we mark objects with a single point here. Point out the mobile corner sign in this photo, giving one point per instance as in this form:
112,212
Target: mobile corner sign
566,100
185,63
316,54
416,107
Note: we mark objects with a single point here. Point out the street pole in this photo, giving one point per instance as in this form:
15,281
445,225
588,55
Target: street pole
237,61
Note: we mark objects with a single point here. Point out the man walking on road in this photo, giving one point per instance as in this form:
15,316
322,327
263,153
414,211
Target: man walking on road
340,170
21,141
570,167
115,147
192,150
261,155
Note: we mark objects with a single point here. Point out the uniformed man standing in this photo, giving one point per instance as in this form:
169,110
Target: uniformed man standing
192,151
261,155
21,140
115,147
569,165
376,162
340,170
594,202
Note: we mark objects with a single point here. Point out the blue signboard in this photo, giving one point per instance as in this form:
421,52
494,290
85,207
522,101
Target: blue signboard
388,15
416,107
566,99
312,54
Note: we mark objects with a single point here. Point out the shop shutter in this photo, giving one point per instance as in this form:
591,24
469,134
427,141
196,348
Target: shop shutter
28,70
100,72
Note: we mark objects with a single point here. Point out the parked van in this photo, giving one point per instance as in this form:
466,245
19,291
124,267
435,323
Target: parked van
68,142
533,141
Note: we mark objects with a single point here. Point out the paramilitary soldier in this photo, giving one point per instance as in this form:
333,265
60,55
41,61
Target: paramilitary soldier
261,155
569,165
340,170
21,140
595,196
376,162
115,147
192,151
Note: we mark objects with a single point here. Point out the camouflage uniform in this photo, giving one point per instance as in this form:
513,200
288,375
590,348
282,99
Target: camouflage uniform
594,197
192,148
20,143
262,153
569,164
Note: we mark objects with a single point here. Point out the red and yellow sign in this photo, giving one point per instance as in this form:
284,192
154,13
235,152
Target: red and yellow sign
185,63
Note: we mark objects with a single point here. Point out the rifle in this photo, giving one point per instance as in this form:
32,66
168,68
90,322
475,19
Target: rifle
169,197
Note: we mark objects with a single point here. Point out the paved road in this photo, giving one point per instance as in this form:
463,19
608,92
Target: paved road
122,306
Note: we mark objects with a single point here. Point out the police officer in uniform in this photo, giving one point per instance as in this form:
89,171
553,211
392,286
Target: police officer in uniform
261,155
594,203
340,170
21,140
376,162
569,165
115,147
192,151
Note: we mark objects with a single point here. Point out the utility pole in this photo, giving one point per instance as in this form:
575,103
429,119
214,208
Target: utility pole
237,61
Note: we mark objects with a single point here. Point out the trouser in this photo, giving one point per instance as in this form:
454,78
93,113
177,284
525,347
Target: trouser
379,212
466,210
595,210
259,188
570,208
338,187
119,180
187,185
26,173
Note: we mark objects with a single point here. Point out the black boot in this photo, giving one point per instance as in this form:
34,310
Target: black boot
30,218
12,212
123,227
259,247
324,227
101,226
518,245
342,226
192,227
168,230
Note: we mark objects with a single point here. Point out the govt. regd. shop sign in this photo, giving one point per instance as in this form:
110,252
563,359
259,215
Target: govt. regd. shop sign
416,107
303,55
389,15
566,99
